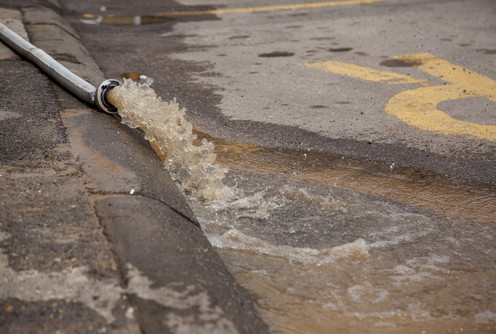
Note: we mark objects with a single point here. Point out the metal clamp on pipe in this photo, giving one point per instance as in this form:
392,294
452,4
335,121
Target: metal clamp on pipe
101,100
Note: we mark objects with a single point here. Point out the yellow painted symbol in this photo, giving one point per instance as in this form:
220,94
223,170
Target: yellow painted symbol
418,107
364,73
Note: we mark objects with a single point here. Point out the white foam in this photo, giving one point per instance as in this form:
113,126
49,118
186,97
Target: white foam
302,194
236,240
164,123
366,293
485,317
247,206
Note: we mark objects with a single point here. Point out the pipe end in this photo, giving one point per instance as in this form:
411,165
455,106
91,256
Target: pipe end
101,100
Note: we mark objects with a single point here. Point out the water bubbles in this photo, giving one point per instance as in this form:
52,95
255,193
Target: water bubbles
144,80
192,166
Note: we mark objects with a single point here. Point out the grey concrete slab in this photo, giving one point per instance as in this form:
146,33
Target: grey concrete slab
12,18
57,271
41,15
174,277
117,160
51,33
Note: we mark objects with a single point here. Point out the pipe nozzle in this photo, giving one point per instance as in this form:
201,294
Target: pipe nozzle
101,100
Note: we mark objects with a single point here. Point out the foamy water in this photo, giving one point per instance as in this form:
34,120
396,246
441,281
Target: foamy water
319,259
191,165
237,240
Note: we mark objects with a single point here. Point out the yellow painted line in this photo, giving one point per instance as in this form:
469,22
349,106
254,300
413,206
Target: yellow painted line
418,107
454,74
270,8
364,73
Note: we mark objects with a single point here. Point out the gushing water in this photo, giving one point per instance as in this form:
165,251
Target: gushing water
192,166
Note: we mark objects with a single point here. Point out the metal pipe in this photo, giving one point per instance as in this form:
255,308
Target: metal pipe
73,83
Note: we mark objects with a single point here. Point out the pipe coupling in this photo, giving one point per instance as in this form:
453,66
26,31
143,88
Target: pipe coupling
101,100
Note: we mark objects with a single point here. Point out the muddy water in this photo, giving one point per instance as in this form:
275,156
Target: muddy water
325,248
166,127
344,250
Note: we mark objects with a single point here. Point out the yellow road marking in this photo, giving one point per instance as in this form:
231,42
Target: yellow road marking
418,106
364,73
454,74
271,8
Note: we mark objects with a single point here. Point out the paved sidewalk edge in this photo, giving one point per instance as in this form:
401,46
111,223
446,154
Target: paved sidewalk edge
144,216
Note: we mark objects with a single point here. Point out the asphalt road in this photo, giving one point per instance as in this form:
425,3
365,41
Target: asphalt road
400,83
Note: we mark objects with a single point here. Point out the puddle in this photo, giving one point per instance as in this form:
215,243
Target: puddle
365,297
350,251
123,20
322,169
326,248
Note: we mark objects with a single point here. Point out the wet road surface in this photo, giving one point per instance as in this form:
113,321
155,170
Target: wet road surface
368,199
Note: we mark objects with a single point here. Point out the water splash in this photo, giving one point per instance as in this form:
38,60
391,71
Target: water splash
191,165
237,240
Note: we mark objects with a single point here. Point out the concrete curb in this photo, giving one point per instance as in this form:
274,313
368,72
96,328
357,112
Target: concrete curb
168,271
50,32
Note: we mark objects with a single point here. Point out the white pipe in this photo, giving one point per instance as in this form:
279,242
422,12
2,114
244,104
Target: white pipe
73,83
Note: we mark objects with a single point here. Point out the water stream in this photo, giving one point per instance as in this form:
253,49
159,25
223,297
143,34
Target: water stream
324,248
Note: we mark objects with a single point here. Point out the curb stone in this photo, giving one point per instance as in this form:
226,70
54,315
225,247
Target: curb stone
51,33
13,19
57,269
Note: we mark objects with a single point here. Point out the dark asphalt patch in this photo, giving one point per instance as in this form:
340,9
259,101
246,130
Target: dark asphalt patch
360,53
399,63
239,37
487,51
340,49
277,54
